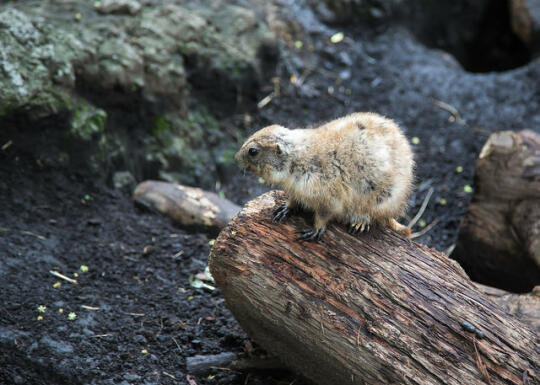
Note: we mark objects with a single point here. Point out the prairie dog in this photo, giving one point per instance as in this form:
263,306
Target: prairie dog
356,170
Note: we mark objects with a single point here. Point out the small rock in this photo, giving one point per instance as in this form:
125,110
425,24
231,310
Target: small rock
139,339
58,346
124,181
126,7
94,221
131,377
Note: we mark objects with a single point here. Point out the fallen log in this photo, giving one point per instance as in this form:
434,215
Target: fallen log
367,309
187,206
202,364
499,238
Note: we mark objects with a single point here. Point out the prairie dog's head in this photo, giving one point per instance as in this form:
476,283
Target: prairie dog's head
265,153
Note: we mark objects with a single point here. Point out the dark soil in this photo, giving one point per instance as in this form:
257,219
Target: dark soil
135,296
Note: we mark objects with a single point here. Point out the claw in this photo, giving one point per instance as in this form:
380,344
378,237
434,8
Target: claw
362,225
281,213
311,235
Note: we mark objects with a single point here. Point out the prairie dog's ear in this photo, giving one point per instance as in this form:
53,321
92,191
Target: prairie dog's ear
279,150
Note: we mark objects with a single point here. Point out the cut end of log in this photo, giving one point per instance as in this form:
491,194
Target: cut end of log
498,242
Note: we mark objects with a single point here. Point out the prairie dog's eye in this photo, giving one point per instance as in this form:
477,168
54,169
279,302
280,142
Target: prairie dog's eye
253,151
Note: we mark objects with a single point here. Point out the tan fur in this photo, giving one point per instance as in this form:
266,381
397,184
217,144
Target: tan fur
357,169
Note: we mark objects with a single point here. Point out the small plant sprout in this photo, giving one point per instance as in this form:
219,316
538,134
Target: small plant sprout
442,202
197,283
415,140
144,351
83,268
60,310
87,197
42,308
260,180
72,316
468,189
211,242
459,169
422,223
39,317
57,284
298,44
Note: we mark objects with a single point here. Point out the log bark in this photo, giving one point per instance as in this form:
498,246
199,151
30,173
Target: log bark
368,309
499,239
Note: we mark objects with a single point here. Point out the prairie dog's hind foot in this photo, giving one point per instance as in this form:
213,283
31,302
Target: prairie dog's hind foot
360,224
402,230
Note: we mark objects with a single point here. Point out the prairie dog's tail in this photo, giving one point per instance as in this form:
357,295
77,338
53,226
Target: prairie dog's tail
404,231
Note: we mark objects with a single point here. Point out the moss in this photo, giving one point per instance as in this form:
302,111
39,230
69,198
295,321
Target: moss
161,125
188,150
87,122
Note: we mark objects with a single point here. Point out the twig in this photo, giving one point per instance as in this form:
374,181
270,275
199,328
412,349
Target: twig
170,375
89,307
480,363
422,209
178,255
450,248
62,276
451,109
264,101
34,235
100,335
424,230
6,145
303,77
5,229
177,344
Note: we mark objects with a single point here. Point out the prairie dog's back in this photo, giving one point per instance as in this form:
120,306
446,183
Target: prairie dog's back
365,161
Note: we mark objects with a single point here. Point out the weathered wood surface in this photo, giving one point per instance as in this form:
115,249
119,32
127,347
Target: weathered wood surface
499,238
525,307
367,309
187,206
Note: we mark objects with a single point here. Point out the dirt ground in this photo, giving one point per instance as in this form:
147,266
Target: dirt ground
132,317
137,317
